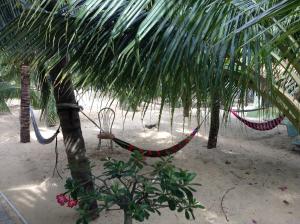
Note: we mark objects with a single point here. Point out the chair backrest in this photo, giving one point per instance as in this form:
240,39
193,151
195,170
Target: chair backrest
106,118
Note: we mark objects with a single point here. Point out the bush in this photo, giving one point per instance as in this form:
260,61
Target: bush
136,188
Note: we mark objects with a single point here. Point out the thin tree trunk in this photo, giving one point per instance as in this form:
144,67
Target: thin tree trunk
186,110
127,217
71,128
187,104
214,121
25,103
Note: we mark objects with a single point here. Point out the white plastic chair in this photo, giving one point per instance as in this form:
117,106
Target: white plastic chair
106,118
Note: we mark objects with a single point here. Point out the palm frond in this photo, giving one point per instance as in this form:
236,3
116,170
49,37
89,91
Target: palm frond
140,49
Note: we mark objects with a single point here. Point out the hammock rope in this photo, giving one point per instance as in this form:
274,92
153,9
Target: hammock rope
264,126
38,134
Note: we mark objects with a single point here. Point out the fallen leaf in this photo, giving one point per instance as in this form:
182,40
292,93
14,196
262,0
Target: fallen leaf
286,202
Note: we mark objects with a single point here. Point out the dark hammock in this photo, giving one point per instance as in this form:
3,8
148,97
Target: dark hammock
159,153
38,134
264,126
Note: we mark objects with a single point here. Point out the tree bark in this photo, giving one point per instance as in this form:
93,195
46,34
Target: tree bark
214,121
186,110
71,129
127,217
187,104
25,103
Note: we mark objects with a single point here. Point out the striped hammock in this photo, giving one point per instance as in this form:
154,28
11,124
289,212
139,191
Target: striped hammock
264,126
158,153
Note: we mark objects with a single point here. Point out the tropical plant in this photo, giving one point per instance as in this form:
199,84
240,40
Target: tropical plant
139,48
137,188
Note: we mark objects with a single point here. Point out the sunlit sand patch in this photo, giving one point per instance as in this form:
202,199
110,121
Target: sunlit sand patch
155,135
37,190
211,217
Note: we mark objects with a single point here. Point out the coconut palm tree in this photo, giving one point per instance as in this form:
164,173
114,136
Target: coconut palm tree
137,48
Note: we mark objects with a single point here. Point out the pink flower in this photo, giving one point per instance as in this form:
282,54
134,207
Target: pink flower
72,203
61,199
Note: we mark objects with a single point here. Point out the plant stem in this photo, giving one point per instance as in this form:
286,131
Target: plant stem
127,217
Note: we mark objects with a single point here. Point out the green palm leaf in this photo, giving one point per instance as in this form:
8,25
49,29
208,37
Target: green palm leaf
140,49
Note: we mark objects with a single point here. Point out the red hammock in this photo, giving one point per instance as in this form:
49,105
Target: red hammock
159,153
264,126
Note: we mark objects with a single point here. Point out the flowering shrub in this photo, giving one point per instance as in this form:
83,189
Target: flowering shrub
62,200
135,191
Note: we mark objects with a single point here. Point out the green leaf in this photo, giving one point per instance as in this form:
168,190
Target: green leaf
180,209
158,212
74,195
189,195
162,199
172,204
192,189
200,206
178,193
192,213
191,177
187,215
69,185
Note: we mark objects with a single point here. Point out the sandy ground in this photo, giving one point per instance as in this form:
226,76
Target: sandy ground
250,166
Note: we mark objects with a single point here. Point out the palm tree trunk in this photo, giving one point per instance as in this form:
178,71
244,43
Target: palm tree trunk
214,121
25,103
187,104
186,109
71,128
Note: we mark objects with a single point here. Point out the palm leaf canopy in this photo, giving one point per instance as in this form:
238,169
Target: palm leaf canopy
148,48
